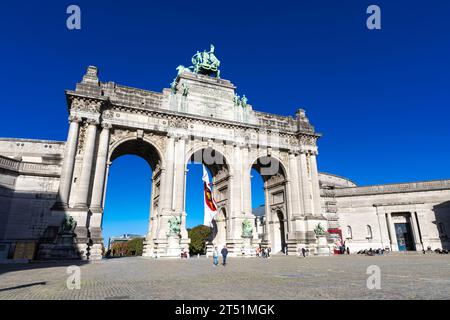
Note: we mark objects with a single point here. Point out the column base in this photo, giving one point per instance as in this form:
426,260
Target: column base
170,247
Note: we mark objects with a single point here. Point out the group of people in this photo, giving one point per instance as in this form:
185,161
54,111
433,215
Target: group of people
263,252
372,252
223,252
342,248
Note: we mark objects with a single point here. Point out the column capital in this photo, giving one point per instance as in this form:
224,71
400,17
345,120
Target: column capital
74,118
106,125
92,122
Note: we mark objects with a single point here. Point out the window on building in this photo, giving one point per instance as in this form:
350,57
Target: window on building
369,232
349,232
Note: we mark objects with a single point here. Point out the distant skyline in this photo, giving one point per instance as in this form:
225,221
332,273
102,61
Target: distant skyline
381,98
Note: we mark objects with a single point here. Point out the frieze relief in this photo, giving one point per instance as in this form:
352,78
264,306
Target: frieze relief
120,134
308,140
79,104
156,139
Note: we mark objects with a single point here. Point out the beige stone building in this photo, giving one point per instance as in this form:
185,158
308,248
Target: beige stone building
45,184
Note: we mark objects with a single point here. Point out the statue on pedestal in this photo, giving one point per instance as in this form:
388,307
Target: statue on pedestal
68,225
247,229
319,230
174,226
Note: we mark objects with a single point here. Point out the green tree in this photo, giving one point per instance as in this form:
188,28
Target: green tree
119,249
135,247
199,235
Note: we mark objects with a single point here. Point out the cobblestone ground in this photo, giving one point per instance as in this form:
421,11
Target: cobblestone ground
340,277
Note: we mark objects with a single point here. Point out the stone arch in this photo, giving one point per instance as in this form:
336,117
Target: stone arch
152,154
276,201
221,188
259,156
195,149
135,146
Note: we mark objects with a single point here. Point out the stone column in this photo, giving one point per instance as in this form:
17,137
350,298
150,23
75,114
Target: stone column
295,185
289,206
317,210
108,166
70,149
86,170
100,170
246,182
166,189
305,185
179,174
392,234
230,211
179,181
415,230
268,215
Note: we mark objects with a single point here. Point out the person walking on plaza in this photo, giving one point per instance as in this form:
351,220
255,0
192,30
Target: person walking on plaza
216,256
269,249
224,255
304,252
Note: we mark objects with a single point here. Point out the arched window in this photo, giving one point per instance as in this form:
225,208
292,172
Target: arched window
369,232
349,232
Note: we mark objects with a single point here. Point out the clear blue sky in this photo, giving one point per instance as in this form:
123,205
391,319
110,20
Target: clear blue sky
381,98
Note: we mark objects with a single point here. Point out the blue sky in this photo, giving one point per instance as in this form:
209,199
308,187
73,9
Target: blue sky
381,98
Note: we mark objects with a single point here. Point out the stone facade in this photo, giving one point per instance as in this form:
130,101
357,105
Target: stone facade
369,216
196,120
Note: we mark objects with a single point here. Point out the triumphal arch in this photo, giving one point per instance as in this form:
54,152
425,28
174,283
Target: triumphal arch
199,118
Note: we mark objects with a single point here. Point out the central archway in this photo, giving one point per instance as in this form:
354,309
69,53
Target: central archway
219,168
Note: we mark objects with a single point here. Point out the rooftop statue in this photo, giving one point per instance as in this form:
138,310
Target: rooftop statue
244,101
206,63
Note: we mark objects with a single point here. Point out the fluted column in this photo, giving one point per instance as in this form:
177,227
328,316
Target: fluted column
268,215
295,185
305,184
288,200
392,234
86,170
100,169
416,234
70,149
317,210
168,192
246,182
179,174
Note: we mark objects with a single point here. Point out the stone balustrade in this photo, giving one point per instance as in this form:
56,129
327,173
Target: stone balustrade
394,188
29,168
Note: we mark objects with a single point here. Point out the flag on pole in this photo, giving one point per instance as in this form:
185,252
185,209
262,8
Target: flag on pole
210,204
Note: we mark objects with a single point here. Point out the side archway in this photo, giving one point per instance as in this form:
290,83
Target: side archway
151,154
276,209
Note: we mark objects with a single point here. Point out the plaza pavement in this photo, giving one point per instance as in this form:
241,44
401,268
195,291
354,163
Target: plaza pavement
408,276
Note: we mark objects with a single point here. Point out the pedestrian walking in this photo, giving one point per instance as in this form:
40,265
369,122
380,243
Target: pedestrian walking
269,249
304,252
224,255
215,256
